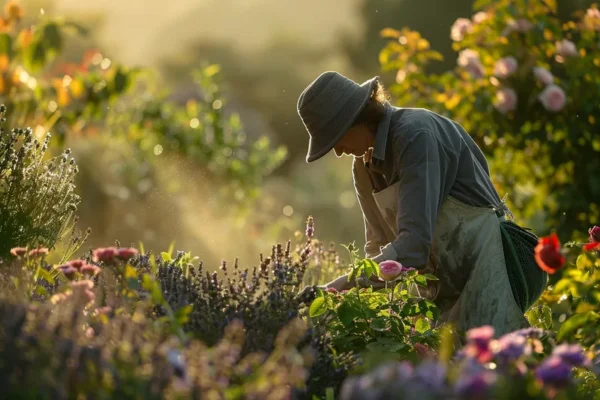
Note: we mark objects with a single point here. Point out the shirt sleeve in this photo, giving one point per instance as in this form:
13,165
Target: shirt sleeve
374,236
426,172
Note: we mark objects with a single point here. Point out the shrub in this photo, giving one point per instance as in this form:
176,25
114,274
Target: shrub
37,198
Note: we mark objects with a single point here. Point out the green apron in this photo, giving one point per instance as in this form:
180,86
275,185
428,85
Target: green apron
467,257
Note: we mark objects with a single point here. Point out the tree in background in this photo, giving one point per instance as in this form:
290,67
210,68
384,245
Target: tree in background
527,88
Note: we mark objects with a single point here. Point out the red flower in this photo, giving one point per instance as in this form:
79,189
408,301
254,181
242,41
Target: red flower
547,254
126,253
591,246
594,234
18,251
106,255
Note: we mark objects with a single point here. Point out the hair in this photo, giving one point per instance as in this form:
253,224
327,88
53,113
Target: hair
373,112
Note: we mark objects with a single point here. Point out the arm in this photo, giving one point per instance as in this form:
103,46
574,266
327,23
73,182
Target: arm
374,236
426,171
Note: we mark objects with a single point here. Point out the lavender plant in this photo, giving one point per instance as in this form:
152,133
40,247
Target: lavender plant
37,198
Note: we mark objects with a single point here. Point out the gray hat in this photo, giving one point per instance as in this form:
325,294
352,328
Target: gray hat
328,108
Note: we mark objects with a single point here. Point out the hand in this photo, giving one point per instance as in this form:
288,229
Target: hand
308,294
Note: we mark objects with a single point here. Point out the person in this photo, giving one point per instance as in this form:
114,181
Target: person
425,192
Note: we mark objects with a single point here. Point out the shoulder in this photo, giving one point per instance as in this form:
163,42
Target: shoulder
411,125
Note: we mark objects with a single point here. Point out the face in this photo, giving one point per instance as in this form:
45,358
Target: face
355,142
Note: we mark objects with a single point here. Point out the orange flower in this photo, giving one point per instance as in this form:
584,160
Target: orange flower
5,25
13,11
547,254
25,37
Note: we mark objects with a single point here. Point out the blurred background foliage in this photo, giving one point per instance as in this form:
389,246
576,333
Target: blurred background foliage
183,118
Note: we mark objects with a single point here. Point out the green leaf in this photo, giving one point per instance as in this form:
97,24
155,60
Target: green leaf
383,347
347,313
153,288
329,394
575,322
381,324
120,81
41,272
422,325
182,315
166,256
430,277
421,280
372,266
318,307
34,56
41,291
429,309
6,45
540,317
52,38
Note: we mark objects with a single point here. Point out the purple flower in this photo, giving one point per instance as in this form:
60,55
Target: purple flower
475,386
479,343
530,332
511,347
572,354
432,374
554,371
68,271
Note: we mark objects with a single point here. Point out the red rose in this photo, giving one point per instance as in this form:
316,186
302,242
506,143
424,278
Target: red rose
592,246
594,234
547,254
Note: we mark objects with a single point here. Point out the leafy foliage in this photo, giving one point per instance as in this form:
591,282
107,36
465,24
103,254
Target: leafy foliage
514,57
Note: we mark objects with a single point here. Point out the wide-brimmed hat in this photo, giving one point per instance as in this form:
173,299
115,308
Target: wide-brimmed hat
328,107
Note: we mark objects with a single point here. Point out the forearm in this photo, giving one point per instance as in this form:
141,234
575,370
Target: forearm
342,283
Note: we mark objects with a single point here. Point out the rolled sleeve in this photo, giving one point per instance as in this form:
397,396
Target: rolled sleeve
425,176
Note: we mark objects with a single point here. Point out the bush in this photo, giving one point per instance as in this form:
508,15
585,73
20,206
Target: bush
526,87
37,198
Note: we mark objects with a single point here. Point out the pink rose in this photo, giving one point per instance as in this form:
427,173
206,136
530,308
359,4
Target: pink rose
506,100
390,270
505,67
480,17
469,60
553,98
593,13
566,48
523,25
460,28
543,75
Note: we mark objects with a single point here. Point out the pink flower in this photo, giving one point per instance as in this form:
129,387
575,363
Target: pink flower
126,253
506,100
521,25
478,346
505,67
566,48
553,98
83,290
594,234
77,264
390,270
90,270
469,60
18,251
543,75
593,13
39,252
106,255
332,290
480,17
460,28
548,255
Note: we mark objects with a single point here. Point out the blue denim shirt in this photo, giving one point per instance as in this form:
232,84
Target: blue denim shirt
431,157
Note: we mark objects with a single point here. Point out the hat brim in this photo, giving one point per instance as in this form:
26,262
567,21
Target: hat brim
315,150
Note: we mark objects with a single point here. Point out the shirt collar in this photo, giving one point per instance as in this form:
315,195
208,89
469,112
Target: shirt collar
382,134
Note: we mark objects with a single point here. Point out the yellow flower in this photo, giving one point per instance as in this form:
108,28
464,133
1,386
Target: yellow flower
13,11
